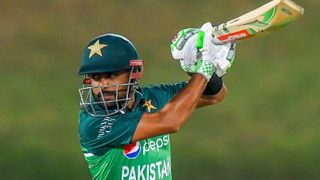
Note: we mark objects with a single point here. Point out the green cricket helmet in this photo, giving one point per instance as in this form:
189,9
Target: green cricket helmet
104,54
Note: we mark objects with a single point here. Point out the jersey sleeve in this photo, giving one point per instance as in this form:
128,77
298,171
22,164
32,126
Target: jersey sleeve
98,135
165,92
174,89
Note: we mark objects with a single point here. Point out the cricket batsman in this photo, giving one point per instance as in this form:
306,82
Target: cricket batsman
124,128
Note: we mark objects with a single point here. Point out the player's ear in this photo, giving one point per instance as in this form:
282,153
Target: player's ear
86,80
137,69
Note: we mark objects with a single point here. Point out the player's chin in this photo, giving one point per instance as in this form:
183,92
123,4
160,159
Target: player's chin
107,99
111,102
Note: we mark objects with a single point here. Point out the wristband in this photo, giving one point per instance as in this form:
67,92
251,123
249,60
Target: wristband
214,85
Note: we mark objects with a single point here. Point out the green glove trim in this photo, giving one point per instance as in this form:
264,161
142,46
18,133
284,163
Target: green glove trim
181,34
200,40
202,67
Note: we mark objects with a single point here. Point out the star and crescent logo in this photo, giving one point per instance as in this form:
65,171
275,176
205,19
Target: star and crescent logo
96,48
147,103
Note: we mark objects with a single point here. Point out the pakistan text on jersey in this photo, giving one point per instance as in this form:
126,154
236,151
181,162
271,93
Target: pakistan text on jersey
152,171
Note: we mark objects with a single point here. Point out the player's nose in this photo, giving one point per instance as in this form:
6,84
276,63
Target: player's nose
104,81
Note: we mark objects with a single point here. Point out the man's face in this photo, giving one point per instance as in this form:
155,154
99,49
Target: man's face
108,82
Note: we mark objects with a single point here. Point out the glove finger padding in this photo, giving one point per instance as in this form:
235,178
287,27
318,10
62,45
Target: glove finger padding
208,50
225,58
190,54
182,41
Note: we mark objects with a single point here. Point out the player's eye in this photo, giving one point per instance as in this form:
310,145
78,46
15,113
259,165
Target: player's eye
95,77
112,75
117,73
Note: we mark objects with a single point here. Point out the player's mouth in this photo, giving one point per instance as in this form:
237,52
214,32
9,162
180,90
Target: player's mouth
111,95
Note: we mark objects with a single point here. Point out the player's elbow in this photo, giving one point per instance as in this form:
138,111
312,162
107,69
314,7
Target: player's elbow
173,122
176,127
219,96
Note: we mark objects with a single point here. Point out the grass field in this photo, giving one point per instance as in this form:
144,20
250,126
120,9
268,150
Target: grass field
267,128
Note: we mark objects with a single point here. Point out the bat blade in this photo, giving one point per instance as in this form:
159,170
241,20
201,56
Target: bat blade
271,15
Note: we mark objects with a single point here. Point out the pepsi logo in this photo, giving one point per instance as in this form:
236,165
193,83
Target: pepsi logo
131,151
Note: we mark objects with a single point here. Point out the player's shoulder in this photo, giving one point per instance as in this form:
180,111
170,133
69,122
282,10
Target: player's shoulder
161,87
160,94
85,117
153,86
88,124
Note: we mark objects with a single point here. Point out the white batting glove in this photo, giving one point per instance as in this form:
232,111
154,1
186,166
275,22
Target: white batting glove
224,57
183,47
186,42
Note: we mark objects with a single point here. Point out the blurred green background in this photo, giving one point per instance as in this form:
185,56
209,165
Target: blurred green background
267,128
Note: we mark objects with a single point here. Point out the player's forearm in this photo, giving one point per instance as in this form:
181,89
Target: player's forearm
180,108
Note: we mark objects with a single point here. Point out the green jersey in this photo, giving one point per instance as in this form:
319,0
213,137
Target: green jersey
106,141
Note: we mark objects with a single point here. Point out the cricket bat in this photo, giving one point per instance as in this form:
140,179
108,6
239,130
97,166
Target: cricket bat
271,15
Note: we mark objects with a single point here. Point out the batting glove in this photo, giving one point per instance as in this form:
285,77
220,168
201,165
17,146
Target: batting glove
184,48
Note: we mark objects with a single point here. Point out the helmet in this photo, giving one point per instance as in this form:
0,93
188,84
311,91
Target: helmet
109,53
